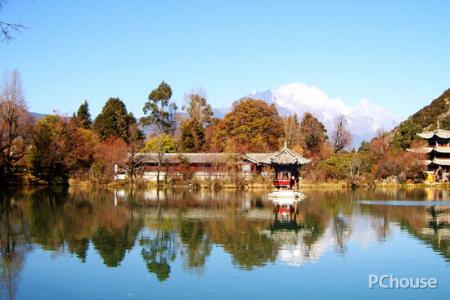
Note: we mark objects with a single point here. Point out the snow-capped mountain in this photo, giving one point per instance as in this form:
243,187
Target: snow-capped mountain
364,120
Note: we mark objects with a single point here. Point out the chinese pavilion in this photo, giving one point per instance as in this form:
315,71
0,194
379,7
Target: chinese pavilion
437,150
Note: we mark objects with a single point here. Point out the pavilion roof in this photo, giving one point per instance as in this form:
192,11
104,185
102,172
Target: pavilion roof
425,150
284,157
441,133
420,150
442,161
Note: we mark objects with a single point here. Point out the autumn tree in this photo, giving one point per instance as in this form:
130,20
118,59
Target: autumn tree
132,164
341,137
292,134
251,126
47,156
83,116
198,108
192,137
61,149
161,112
108,154
313,133
15,125
392,161
160,145
209,134
79,145
114,120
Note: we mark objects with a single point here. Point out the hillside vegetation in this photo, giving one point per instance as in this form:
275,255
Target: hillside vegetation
424,119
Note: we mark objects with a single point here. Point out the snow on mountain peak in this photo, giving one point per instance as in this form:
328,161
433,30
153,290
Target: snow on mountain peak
364,119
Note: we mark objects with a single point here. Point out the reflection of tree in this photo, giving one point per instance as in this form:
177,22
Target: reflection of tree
79,248
113,244
60,220
14,244
342,231
198,245
158,249
242,238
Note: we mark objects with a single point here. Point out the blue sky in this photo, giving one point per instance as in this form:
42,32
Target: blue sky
395,53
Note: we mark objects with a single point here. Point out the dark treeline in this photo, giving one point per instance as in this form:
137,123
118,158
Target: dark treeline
56,148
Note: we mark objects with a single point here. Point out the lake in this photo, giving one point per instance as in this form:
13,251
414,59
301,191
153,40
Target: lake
74,244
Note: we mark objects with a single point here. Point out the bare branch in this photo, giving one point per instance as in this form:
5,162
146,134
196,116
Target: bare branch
8,29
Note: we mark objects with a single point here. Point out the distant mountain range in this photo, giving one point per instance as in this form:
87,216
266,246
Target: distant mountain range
36,116
364,119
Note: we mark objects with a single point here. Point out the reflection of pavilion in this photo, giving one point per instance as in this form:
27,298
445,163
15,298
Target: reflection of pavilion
438,222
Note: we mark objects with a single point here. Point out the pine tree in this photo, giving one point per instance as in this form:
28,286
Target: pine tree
192,138
114,120
83,116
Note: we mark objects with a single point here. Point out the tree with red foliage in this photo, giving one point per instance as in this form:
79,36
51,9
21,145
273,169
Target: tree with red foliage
108,154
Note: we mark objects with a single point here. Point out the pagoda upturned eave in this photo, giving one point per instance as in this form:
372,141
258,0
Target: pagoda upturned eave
426,150
440,133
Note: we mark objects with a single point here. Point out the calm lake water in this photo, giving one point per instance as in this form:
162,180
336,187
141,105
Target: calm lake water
70,244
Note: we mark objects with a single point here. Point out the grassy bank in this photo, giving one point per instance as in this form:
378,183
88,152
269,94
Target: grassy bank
207,185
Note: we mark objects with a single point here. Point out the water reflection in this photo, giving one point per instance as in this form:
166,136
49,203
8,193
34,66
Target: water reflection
185,226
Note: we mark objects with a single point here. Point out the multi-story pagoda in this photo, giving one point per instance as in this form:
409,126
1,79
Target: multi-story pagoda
437,150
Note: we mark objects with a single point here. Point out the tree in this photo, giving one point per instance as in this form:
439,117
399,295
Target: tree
292,134
15,125
83,116
79,145
108,153
198,108
8,29
135,143
406,134
252,126
193,130
192,137
114,120
160,145
313,134
341,137
47,156
161,112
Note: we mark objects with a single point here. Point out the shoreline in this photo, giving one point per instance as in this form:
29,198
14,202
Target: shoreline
259,186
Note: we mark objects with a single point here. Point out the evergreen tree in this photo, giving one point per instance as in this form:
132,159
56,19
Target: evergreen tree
161,111
192,137
83,116
114,120
406,134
